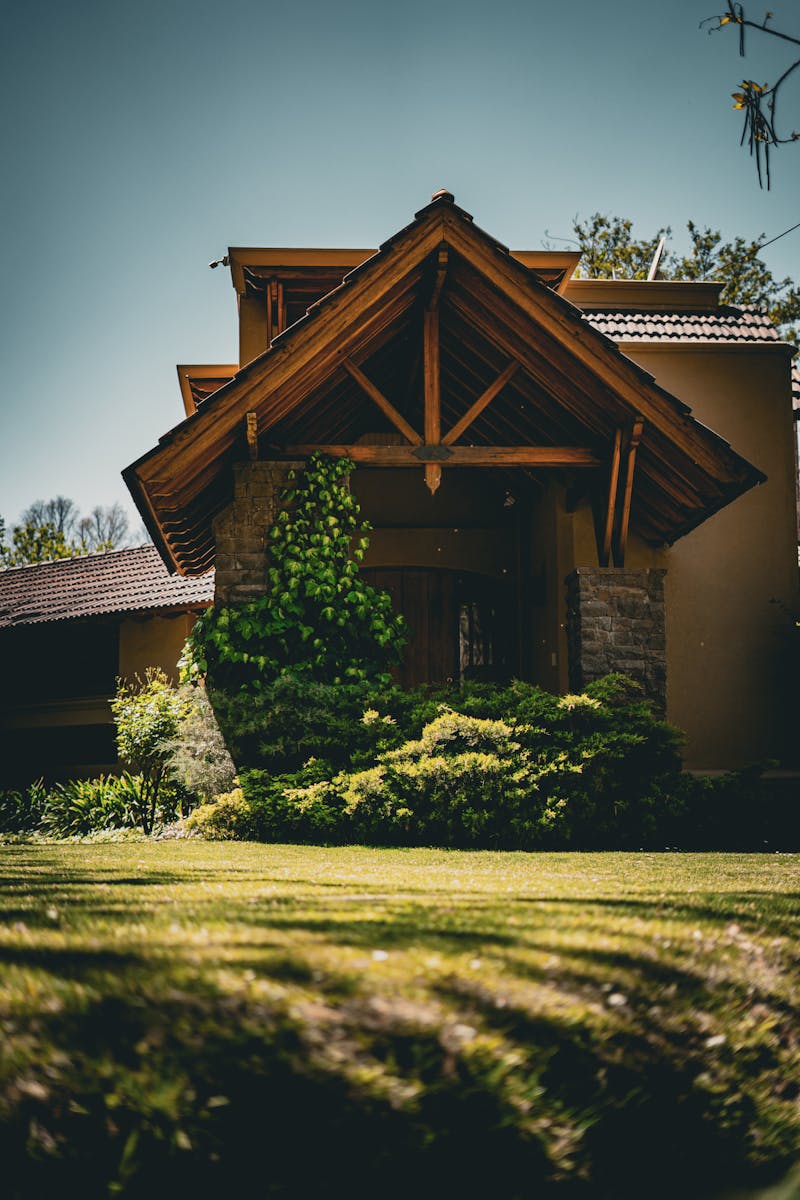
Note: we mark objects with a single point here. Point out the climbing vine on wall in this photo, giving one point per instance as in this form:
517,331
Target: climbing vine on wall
319,618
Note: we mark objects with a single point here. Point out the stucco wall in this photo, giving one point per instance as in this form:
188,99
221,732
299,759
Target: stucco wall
153,642
732,584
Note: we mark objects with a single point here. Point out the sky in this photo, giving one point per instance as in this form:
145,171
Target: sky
139,141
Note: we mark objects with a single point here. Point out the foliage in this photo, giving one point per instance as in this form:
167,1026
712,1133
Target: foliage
22,809
189,1019
197,757
758,102
148,714
481,766
54,529
83,806
35,544
610,250
293,718
227,818
75,808
320,619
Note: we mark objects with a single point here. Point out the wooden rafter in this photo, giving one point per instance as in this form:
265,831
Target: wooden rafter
625,514
480,404
386,406
456,456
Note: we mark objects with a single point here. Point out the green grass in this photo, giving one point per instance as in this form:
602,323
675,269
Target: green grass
236,1019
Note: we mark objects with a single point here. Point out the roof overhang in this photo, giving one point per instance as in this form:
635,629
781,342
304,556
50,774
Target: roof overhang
571,388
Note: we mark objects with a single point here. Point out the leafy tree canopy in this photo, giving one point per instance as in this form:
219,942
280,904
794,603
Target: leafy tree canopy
51,529
610,250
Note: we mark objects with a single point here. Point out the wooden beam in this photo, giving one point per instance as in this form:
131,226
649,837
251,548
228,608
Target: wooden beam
613,487
458,456
438,283
625,515
386,406
252,436
480,404
433,397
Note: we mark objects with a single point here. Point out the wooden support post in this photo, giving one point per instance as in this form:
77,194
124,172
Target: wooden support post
480,404
611,507
438,283
625,515
270,317
252,435
385,405
433,410
281,308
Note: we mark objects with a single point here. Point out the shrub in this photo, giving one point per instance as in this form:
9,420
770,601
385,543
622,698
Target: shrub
495,767
228,818
294,718
147,713
21,810
197,757
83,806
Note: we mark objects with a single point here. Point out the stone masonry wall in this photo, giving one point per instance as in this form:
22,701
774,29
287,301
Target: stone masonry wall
240,532
615,622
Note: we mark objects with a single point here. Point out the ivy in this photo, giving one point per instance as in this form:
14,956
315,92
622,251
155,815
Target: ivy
319,618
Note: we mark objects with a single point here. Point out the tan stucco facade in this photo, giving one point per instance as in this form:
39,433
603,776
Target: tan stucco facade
731,587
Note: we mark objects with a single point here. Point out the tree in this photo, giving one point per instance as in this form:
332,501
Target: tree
610,251
758,102
34,544
51,529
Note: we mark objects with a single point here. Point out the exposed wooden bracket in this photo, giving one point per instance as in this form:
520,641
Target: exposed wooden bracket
438,283
625,515
386,406
252,435
480,404
604,555
432,454
433,476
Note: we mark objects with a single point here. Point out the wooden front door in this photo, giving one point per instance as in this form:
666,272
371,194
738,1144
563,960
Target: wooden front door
460,624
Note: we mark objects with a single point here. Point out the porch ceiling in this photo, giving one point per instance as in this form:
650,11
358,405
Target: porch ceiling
571,387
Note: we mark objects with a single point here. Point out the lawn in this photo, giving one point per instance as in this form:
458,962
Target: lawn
239,1019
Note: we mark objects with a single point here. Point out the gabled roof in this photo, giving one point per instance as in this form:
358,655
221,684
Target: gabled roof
573,386
118,582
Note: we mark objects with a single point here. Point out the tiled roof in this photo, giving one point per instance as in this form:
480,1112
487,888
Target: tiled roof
796,386
121,581
726,324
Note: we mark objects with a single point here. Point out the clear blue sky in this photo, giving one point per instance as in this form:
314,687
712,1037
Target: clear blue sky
140,140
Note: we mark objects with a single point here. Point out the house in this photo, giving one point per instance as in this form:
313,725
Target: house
68,629
564,477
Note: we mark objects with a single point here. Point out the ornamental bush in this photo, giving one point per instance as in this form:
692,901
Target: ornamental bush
513,767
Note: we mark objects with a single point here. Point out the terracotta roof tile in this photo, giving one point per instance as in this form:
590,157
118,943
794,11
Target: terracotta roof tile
121,581
727,324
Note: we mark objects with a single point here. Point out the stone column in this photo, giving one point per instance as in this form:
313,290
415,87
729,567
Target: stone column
241,531
615,622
